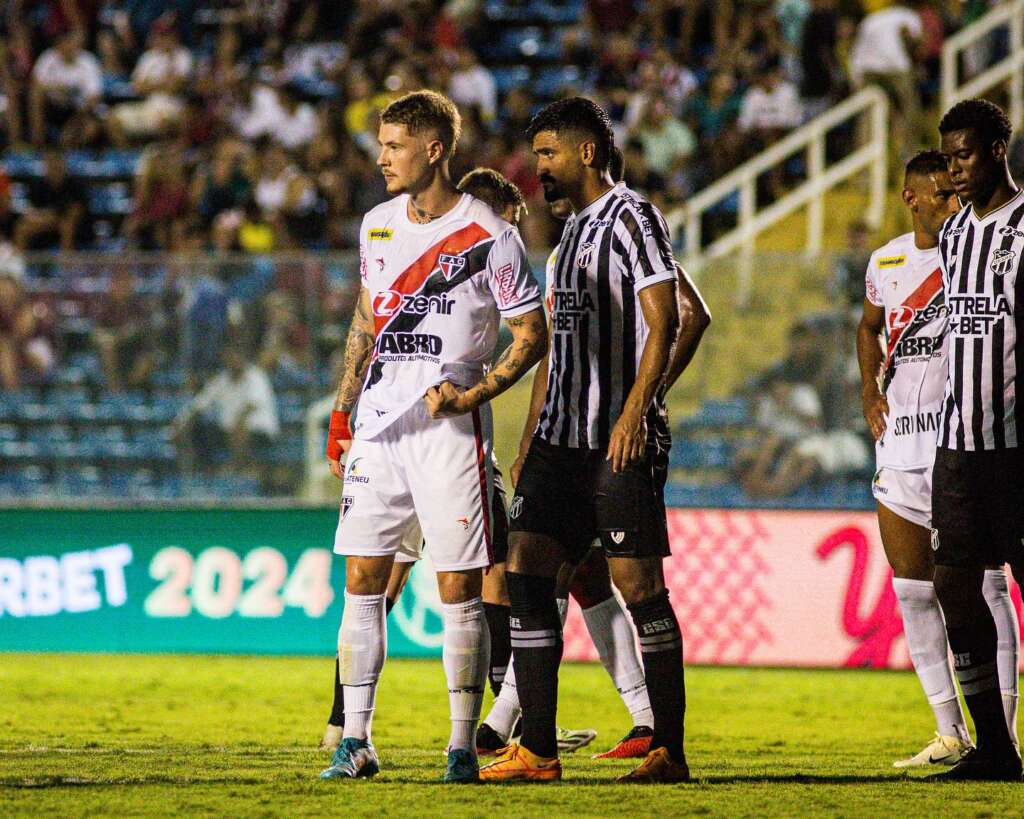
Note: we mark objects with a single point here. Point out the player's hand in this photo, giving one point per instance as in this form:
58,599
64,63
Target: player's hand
517,468
629,437
446,400
337,466
876,408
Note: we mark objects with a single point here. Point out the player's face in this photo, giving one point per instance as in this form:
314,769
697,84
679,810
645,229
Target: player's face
973,166
933,199
558,164
403,158
561,209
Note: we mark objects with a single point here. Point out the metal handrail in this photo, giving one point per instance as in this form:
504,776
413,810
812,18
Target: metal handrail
1009,68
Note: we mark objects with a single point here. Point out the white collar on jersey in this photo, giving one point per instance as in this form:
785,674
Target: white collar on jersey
974,218
618,186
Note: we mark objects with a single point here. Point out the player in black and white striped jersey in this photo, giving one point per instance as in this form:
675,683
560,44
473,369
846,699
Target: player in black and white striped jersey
978,491
591,440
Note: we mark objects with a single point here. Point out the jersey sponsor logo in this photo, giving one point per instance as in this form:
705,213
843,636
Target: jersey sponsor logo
917,348
569,308
1006,230
506,284
381,234
409,344
892,261
463,522
352,473
450,265
1002,261
585,255
388,302
657,626
956,231
975,315
913,424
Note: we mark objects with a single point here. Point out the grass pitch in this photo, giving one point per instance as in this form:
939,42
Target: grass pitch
236,736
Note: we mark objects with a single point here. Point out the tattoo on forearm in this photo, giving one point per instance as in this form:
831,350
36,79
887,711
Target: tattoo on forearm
358,348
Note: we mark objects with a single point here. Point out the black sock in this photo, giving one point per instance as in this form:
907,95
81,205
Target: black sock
501,643
338,706
536,635
661,647
974,658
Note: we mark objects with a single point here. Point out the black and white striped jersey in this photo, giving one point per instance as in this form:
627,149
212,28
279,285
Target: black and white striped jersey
609,252
981,275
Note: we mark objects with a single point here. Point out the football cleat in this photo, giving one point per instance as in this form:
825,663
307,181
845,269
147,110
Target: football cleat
462,767
569,740
633,745
332,738
940,751
658,767
488,741
355,758
982,766
517,764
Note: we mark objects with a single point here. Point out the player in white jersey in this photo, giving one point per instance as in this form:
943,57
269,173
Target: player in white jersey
438,269
902,392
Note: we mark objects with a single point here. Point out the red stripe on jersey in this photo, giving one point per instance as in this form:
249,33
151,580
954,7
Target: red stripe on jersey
917,300
481,467
416,274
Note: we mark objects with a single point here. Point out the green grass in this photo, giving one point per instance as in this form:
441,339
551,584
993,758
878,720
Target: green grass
161,735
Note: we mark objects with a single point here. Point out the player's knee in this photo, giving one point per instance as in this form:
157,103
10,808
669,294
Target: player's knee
638,583
591,586
912,567
534,554
458,587
367,575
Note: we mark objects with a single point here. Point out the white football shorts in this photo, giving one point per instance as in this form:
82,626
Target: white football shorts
907,492
437,471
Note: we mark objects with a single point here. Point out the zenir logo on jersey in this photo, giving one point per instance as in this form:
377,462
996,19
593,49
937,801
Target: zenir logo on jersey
1002,261
381,234
585,255
450,265
1009,231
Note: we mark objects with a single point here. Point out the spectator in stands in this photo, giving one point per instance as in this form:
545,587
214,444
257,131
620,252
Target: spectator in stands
25,345
277,113
161,200
159,78
122,334
846,287
286,339
10,96
822,75
601,17
7,215
224,186
884,54
285,194
235,413
57,204
64,93
714,112
472,85
667,143
770,108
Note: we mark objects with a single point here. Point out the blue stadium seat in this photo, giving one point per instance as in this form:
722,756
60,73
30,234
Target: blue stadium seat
9,432
564,13
549,82
511,76
110,200
41,412
23,164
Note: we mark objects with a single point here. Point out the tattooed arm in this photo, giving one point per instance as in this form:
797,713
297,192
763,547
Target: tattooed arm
358,348
529,344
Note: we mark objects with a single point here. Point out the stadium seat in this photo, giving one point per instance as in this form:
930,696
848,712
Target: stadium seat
510,76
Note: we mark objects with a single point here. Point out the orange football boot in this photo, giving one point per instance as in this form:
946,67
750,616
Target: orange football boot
517,764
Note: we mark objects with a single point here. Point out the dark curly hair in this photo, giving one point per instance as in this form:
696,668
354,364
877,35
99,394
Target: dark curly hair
982,116
492,188
582,116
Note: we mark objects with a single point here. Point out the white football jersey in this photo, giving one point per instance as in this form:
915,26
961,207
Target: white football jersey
437,292
907,283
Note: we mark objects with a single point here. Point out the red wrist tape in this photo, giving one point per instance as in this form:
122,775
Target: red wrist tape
338,430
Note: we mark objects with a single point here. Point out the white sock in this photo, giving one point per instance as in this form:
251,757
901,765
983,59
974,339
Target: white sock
997,595
611,629
925,630
465,655
362,646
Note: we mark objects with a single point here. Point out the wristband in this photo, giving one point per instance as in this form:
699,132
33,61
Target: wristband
338,430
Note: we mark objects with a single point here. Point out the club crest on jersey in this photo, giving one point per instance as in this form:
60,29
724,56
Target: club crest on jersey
1002,261
450,265
935,540
346,505
618,536
585,255
515,509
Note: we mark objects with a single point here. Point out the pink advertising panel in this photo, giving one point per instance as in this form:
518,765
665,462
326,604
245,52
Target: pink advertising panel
778,589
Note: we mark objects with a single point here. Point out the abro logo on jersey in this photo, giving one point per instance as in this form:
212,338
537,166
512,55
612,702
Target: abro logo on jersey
409,344
389,302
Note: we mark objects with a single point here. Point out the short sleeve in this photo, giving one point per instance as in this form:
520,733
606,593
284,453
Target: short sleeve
644,241
510,278
873,284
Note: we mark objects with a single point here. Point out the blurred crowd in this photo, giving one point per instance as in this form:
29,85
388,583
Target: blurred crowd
256,118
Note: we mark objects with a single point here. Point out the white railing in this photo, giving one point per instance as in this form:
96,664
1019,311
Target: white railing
1009,69
820,179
